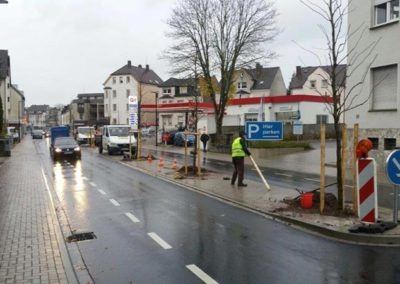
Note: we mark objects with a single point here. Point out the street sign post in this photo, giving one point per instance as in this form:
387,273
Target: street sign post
393,174
263,130
298,128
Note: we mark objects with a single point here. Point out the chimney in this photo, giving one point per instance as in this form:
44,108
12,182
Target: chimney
129,64
147,67
140,65
258,66
298,72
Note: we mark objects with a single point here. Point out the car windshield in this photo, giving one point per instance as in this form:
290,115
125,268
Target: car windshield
119,131
65,141
86,131
37,132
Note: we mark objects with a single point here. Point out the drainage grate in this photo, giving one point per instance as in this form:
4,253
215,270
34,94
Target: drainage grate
81,237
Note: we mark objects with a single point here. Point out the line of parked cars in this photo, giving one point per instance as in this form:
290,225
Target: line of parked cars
177,138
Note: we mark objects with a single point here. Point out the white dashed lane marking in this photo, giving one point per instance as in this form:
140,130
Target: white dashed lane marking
93,184
85,178
159,241
132,217
312,179
113,201
281,174
102,191
201,274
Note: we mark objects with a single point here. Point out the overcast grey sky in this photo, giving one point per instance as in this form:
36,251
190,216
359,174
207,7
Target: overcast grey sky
61,48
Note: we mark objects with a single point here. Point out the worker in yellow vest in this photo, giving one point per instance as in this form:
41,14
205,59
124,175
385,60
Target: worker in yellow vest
239,151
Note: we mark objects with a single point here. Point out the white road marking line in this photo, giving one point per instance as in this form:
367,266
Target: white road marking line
132,217
201,274
102,191
159,241
93,184
113,201
312,179
85,178
281,174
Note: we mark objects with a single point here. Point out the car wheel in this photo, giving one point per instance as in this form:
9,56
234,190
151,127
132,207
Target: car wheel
100,150
109,151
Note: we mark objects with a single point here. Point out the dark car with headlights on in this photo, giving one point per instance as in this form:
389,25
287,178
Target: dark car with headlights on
65,147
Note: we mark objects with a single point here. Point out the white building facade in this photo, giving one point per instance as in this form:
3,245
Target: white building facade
5,84
379,116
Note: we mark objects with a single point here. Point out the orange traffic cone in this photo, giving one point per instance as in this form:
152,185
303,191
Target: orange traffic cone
174,165
161,162
149,159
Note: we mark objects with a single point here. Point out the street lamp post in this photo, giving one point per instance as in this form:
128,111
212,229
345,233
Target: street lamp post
156,93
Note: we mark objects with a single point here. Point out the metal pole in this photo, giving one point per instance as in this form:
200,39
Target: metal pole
395,205
156,119
19,121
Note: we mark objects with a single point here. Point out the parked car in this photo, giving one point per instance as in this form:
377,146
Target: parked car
65,147
116,139
149,131
37,134
167,137
179,139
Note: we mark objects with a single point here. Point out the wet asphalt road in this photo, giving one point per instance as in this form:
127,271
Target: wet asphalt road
149,231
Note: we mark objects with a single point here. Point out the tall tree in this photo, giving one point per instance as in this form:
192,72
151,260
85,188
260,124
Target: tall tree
221,36
336,34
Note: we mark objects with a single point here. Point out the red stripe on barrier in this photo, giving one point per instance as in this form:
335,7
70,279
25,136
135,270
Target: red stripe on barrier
370,217
362,164
367,190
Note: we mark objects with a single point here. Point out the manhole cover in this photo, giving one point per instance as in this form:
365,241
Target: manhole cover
81,237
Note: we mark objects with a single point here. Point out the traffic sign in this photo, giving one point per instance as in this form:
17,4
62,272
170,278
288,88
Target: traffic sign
297,127
393,167
263,130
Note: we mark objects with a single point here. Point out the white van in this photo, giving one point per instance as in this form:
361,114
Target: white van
84,134
115,139
13,132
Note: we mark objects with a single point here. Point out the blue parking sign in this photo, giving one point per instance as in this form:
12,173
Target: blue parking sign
264,130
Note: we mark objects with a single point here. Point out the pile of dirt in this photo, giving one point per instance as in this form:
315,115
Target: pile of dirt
330,208
190,170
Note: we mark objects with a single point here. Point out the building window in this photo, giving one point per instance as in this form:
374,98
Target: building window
128,93
384,84
8,99
121,80
106,95
313,84
114,107
167,91
389,143
242,85
127,121
250,117
114,80
375,142
114,94
128,79
183,90
322,119
127,106
386,11
324,83
114,121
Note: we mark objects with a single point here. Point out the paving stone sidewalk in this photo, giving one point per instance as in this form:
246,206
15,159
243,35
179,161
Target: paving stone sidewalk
32,249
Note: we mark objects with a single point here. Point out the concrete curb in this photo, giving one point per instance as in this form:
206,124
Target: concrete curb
359,239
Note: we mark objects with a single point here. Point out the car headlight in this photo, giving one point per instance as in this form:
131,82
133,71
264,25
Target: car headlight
58,150
77,149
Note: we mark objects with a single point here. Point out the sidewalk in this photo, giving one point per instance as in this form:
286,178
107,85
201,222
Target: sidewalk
32,249
255,197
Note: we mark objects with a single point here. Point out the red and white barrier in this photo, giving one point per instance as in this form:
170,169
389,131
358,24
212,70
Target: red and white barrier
367,190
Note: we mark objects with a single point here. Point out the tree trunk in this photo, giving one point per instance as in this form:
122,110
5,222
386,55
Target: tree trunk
339,164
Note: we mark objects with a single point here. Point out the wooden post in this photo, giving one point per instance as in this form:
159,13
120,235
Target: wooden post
139,145
198,153
354,170
344,156
322,171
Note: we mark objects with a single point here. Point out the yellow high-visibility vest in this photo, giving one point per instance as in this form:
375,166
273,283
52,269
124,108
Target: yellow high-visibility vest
237,149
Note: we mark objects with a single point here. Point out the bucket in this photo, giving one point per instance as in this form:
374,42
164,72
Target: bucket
306,200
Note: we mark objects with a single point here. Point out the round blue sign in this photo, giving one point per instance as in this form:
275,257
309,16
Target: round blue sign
393,167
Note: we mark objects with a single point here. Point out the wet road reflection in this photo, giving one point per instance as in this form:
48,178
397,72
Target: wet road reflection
228,244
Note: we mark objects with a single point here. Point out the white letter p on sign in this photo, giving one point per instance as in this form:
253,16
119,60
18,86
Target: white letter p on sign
253,129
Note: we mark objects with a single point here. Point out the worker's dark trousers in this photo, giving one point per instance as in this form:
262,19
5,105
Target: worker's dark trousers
238,163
